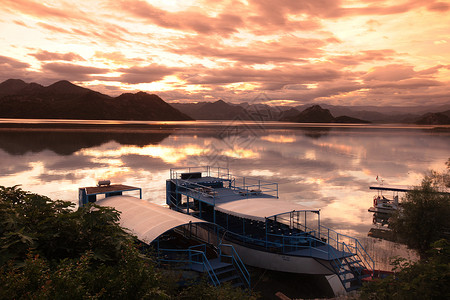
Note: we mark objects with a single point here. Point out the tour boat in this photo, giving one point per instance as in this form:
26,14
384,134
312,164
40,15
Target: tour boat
266,231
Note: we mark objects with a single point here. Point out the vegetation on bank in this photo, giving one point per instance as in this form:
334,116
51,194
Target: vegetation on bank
50,251
423,224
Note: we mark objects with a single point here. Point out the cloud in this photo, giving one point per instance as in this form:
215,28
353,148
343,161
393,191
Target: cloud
439,6
287,48
364,57
73,72
42,10
392,72
116,57
145,74
190,20
12,63
44,55
286,75
52,28
13,68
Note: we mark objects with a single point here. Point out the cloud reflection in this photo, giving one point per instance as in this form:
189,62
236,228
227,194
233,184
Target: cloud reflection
331,171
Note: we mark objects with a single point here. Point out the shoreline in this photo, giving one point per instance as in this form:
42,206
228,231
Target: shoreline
67,124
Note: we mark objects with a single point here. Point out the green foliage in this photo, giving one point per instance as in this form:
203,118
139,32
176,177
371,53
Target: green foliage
424,217
131,278
54,230
50,251
205,291
426,279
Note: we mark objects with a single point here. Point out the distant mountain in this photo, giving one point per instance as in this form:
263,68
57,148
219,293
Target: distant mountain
289,114
349,120
11,86
218,110
262,112
383,114
317,114
64,100
435,119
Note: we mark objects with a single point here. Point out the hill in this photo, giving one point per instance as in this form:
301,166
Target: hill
218,110
435,119
317,114
64,100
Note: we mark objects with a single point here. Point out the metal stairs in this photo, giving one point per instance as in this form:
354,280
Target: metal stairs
226,267
226,272
351,271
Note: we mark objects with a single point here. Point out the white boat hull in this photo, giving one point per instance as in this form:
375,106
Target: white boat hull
282,263
271,261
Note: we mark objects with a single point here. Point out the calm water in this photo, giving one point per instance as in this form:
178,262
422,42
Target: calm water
327,167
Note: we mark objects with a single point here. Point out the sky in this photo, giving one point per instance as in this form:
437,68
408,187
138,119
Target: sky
284,52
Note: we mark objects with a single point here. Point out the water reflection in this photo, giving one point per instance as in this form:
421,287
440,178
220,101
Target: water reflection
328,168
69,141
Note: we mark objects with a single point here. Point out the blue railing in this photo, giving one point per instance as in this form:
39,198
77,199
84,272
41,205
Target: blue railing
189,256
206,171
338,248
199,191
245,185
353,245
236,260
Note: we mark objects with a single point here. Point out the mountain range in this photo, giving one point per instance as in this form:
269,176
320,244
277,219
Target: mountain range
433,115
64,100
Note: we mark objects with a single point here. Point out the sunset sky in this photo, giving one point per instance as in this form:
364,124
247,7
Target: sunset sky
349,52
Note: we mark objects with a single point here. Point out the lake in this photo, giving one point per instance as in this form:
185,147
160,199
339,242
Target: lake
317,165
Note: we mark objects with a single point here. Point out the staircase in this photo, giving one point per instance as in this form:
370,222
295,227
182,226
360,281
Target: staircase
227,267
351,271
226,272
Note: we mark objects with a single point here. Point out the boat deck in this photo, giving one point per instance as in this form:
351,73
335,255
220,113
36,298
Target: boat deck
215,196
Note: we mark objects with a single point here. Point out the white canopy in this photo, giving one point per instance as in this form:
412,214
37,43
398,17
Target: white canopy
144,219
259,208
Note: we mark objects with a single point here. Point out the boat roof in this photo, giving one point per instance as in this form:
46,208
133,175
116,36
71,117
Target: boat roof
144,219
399,188
95,190
259,208
394,188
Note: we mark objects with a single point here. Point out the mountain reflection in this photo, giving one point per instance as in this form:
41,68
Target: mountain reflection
67,142
329,168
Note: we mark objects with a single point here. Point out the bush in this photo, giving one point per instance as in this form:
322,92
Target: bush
425,279
50,251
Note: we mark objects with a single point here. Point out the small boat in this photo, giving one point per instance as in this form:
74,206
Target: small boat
266,231
384,206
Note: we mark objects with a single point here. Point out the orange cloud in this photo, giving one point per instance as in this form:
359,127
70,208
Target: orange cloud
44,55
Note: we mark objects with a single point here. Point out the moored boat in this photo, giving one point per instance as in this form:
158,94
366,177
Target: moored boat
266,231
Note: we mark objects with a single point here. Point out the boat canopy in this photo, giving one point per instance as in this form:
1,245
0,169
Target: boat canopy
144,219
401,188
259,208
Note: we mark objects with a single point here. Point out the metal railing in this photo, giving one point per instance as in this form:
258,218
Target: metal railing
236,261
199,191
243,185
341,242
189,256
206,171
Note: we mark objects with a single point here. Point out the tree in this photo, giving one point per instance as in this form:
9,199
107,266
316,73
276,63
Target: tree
425,279
424,217
54,230
50,251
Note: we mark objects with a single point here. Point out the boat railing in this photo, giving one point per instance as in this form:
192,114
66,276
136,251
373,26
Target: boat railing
187,257
244,185
254,186
197,190
206,171
343,242
228,251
